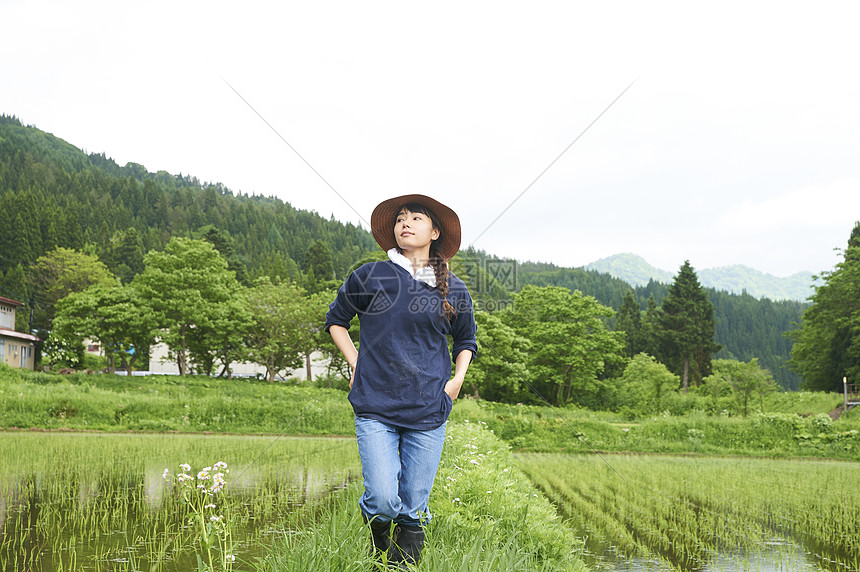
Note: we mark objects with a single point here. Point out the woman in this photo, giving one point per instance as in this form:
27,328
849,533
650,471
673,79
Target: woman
401,388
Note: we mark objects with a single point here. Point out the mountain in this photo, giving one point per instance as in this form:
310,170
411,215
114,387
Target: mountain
737,279
631,268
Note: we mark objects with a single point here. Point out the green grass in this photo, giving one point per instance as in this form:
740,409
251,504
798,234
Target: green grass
574,430
169,403
793,424
802,402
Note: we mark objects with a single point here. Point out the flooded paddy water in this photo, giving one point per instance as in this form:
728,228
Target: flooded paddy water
705,514
101,501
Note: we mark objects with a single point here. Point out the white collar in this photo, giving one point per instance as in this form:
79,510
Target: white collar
426,274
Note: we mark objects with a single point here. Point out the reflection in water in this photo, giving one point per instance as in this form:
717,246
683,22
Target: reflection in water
123,516
779,555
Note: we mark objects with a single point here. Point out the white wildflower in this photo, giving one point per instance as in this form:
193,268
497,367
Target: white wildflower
164,474
185,467
218,482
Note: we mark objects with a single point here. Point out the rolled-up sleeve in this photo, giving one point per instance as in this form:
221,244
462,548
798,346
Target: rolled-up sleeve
464,330
346,305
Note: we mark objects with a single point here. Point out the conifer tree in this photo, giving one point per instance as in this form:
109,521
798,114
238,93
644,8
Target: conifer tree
827,345
20,249
686,327
629,321
648,337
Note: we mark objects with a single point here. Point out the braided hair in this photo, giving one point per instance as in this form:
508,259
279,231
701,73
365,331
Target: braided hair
437,261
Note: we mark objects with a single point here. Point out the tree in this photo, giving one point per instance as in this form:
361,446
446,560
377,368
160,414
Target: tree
643,384
571,344
124,254
686,327
61,272
629,321
280,333
649,338
190,290
827,344
223,243
21,248
500,374
222,339
319,268
316,306
746,379
115,316
717,388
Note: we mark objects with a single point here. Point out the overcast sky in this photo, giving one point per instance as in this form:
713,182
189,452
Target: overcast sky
738,143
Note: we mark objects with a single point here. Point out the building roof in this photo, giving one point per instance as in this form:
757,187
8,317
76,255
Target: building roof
13,334
10,301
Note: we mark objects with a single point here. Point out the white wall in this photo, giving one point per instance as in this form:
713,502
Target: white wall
161,364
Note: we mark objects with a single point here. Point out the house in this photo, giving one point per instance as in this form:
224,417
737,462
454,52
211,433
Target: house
161,362
16,348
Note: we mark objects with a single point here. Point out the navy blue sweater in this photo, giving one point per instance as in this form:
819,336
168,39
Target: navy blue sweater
403,360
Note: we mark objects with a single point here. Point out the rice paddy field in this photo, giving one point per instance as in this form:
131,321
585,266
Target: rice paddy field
644,512
164,503
103,501
95,502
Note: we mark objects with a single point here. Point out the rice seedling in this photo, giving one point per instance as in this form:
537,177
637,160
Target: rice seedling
706,513
96,502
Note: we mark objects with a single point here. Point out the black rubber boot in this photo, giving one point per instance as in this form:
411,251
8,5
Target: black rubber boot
380,535
406,546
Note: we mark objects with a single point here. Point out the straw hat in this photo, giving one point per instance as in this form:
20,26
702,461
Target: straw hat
382,223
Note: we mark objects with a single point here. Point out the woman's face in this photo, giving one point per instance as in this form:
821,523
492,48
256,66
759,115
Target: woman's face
414,230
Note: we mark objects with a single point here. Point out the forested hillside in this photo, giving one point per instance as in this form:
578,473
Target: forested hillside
54,195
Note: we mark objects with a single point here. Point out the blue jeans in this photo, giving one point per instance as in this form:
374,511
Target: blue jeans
398,466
